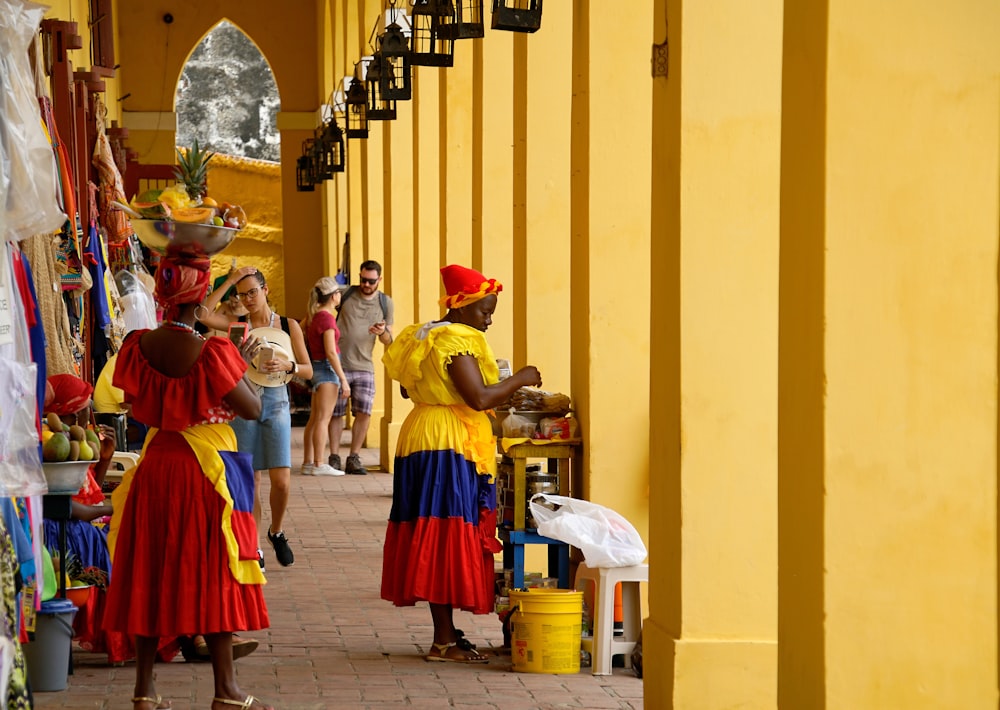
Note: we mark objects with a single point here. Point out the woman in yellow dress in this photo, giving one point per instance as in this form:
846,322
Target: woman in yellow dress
441,535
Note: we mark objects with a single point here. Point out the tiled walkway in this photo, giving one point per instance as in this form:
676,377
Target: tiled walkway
333,643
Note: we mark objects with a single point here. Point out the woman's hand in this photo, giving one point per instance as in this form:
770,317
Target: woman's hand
241,273
528,376
345,390
108,441
249,348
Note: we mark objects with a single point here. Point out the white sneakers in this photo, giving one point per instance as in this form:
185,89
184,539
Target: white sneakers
320,469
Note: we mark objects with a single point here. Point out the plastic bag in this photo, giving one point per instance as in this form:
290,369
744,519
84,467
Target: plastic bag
21,472
138,304
515,426
27,163
605,538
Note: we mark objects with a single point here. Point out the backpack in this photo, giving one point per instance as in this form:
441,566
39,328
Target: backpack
351,290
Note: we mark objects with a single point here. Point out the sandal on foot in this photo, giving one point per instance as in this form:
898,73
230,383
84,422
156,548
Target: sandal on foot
245,704
442,656
243,647
157,701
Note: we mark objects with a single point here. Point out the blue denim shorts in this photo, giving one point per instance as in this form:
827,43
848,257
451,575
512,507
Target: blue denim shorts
268,439
323,374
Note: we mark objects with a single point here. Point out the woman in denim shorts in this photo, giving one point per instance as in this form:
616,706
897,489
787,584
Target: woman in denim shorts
269,438
328,381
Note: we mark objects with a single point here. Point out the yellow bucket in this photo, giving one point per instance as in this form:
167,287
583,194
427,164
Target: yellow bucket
545,630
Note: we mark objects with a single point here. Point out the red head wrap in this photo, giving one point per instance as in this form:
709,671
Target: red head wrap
182,277
465,286
70,394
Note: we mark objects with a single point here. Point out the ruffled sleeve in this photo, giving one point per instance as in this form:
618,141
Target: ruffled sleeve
175,403
419,357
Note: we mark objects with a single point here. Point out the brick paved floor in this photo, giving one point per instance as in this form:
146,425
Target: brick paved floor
333,643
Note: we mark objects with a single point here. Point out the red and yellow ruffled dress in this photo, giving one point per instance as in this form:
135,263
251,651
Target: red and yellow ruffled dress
183,538
441,536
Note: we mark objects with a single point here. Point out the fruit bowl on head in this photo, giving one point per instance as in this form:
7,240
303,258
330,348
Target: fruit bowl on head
159,234
65,476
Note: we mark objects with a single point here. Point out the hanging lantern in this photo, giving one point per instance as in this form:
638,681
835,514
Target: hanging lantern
468,20
333,145
431,44
396,75
357,110
303,174
312,149
517,15
380,108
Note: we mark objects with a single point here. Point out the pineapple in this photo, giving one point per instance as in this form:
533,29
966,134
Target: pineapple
192,170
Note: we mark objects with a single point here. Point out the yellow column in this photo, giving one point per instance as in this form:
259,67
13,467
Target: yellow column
427,156
888,456
457,156
398,266
714,330
494,139
543,96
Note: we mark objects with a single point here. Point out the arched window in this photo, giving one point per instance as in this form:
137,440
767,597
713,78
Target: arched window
227,97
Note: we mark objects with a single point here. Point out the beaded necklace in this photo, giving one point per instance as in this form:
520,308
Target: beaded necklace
177,325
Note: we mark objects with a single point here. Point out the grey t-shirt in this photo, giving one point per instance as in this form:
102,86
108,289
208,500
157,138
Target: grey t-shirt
357,315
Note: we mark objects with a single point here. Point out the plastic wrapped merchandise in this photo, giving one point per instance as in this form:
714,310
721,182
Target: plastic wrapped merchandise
28,173
138,304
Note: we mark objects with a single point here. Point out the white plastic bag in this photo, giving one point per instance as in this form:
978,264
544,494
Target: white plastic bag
605,538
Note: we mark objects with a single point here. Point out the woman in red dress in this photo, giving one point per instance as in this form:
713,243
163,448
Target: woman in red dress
182,537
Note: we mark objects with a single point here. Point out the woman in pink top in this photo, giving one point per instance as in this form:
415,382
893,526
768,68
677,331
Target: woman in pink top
328,381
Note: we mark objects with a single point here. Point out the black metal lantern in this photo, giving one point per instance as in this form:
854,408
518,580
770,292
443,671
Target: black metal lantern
396,75
303,174
380,108
468,21
357,110
431,43
313,148
517,15
333,146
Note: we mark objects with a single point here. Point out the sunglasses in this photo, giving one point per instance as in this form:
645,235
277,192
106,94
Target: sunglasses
247,295
370,282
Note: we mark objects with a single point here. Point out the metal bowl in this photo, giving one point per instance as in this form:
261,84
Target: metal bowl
160,234
66,476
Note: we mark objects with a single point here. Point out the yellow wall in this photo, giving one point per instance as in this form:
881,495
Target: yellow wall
889,352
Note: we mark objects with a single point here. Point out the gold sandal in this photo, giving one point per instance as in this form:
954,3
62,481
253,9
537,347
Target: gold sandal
442,654
245,704
157,701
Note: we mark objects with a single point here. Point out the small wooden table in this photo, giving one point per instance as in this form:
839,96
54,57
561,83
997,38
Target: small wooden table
560,457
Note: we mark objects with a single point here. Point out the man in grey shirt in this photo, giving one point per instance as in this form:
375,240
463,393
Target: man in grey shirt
365,316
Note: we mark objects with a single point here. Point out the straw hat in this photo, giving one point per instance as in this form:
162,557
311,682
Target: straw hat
282,344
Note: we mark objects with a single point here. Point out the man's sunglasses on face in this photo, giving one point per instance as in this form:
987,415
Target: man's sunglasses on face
370,282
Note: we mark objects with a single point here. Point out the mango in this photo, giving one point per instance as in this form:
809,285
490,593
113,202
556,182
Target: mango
54,422
93,439
57,448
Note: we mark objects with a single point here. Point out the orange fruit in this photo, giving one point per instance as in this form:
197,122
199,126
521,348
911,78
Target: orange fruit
209,202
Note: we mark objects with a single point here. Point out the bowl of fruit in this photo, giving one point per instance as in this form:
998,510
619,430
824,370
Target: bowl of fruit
65,476
183,214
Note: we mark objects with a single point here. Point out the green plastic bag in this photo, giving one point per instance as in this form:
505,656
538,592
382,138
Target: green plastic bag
49,586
